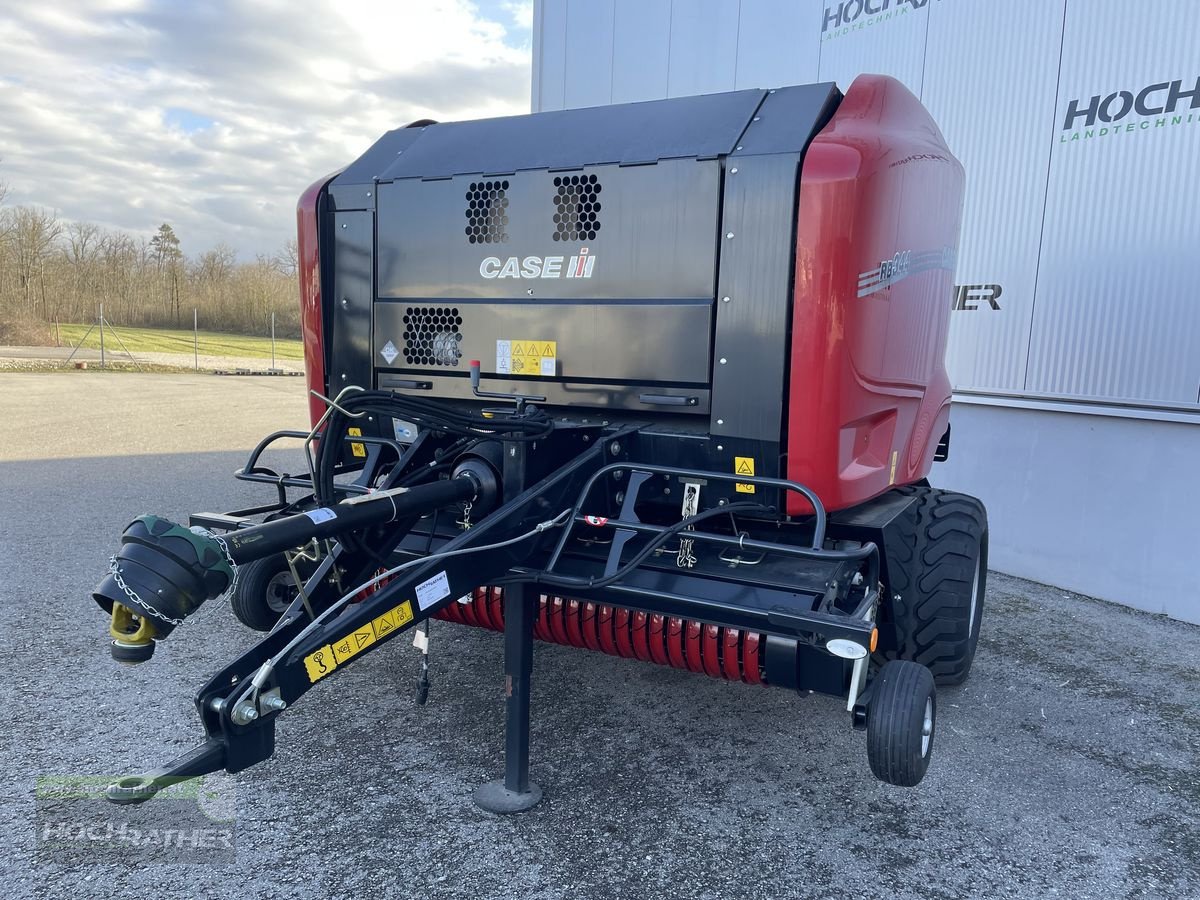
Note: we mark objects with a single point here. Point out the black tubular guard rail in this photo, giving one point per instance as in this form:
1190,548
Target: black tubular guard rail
867,552
705,475
252,471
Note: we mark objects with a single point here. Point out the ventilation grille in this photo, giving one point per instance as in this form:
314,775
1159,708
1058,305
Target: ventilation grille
432,336
576,208
487,212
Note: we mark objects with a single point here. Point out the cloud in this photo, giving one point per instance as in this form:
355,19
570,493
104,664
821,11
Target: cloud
215,116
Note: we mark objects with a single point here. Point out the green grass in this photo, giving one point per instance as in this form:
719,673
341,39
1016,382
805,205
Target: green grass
160,340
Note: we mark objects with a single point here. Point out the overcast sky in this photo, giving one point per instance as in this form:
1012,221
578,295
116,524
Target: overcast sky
214,116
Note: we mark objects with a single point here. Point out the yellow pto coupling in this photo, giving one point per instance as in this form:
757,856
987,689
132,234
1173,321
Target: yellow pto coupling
133,635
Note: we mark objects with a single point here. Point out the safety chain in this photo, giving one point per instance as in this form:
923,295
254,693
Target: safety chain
115,571
132,594
224,549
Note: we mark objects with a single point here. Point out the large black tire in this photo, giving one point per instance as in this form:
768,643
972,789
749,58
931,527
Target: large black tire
263,592
941,587
901,721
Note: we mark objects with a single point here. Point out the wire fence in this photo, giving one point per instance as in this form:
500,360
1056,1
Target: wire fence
111,345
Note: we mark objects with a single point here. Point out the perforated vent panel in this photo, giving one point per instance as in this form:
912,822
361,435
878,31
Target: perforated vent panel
487,212
432,336
576,208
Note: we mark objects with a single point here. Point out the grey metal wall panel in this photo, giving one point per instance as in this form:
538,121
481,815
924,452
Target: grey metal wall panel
1116,314
1055,484
1002,143
703,47
589,64
641,50
776,45
551,62
890,42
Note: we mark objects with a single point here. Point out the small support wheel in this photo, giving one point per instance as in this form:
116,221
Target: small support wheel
264,592
901,721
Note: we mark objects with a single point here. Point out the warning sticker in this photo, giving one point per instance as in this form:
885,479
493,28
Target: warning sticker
743,465
527,358
355,448
392,620
320,663
389,352
431,591
353,643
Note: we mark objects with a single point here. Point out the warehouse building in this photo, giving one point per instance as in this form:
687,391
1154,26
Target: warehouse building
1075,324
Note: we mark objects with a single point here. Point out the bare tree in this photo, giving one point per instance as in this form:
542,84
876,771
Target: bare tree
287,260
33,236
81,253
216,265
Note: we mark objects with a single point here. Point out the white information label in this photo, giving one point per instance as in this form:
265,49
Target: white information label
321,515
504,357
431,591
548,366
389,352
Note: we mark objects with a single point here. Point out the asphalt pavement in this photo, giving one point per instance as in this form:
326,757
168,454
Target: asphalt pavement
1066,767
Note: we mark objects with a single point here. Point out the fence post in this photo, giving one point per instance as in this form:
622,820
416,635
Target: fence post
196,338
102,335
272,342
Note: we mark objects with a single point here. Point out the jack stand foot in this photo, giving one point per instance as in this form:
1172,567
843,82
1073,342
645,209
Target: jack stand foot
496,798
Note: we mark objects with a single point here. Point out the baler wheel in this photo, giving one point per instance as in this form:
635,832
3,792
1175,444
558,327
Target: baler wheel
901,721
936,619
263,593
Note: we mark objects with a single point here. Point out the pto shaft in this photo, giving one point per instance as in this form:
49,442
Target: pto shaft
163,572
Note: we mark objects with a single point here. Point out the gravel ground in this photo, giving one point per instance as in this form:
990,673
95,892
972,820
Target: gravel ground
1066,767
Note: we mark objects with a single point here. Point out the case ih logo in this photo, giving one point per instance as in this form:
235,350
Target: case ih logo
539,266
1156,105
843,17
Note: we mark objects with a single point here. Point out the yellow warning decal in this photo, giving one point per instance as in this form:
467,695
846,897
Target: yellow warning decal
356,449
353,643
743,465
525,357
320,663
892,476
391,620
